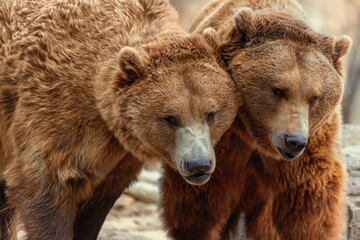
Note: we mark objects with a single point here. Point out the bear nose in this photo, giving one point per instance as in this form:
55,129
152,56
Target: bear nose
295,143
198,167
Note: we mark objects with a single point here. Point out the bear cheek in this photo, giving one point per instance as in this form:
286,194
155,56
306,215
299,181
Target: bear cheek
322,112
219,127
164,141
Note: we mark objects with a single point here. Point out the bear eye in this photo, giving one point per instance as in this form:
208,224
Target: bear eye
278,92
172,121
210,117
313,100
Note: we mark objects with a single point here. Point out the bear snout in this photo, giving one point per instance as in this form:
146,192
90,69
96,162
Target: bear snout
294,144
290,146
198,172
201,166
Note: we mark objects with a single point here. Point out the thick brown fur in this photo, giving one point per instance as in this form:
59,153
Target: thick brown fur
85,87
268,44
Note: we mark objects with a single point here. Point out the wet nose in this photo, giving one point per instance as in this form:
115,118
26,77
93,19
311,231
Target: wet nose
198,167
295,143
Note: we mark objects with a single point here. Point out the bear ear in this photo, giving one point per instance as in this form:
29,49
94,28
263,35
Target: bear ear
131,67
245,24
211,37
243,30
341,47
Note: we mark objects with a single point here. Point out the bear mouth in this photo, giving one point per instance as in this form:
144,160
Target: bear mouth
286,155
198,179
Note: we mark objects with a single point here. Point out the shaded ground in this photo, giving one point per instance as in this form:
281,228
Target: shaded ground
132,220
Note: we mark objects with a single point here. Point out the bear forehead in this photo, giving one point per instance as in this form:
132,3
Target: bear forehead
282,56
195,80
286,65
275,26
179,101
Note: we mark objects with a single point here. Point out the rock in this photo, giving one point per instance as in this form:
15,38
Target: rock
149,176
352,162
124,201
144,191
352,157
241,229
353,231
350,135
146,188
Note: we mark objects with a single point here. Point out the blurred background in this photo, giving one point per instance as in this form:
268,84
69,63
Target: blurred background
334,17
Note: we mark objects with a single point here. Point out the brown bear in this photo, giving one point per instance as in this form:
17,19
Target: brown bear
280,162
88,91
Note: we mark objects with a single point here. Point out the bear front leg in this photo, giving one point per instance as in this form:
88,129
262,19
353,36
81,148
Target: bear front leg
312,211
257,202
313,207
5,214
43,198
41,217
230,230
92,213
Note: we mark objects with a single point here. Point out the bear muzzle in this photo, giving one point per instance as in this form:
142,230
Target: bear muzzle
292,146
195,156
199,170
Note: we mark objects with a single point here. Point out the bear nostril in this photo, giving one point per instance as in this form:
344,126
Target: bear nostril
295,143
198,167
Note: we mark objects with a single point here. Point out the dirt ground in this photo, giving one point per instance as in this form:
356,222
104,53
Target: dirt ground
132,220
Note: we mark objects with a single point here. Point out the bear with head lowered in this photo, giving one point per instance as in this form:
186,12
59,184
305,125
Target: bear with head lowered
280,162
88,91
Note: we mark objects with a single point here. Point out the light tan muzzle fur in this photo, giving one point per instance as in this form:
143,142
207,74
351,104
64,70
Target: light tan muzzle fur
195,156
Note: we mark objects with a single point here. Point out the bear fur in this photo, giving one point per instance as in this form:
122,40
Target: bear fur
291,81
89,90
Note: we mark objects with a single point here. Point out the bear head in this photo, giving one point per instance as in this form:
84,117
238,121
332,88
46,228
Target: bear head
170,102
289,76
